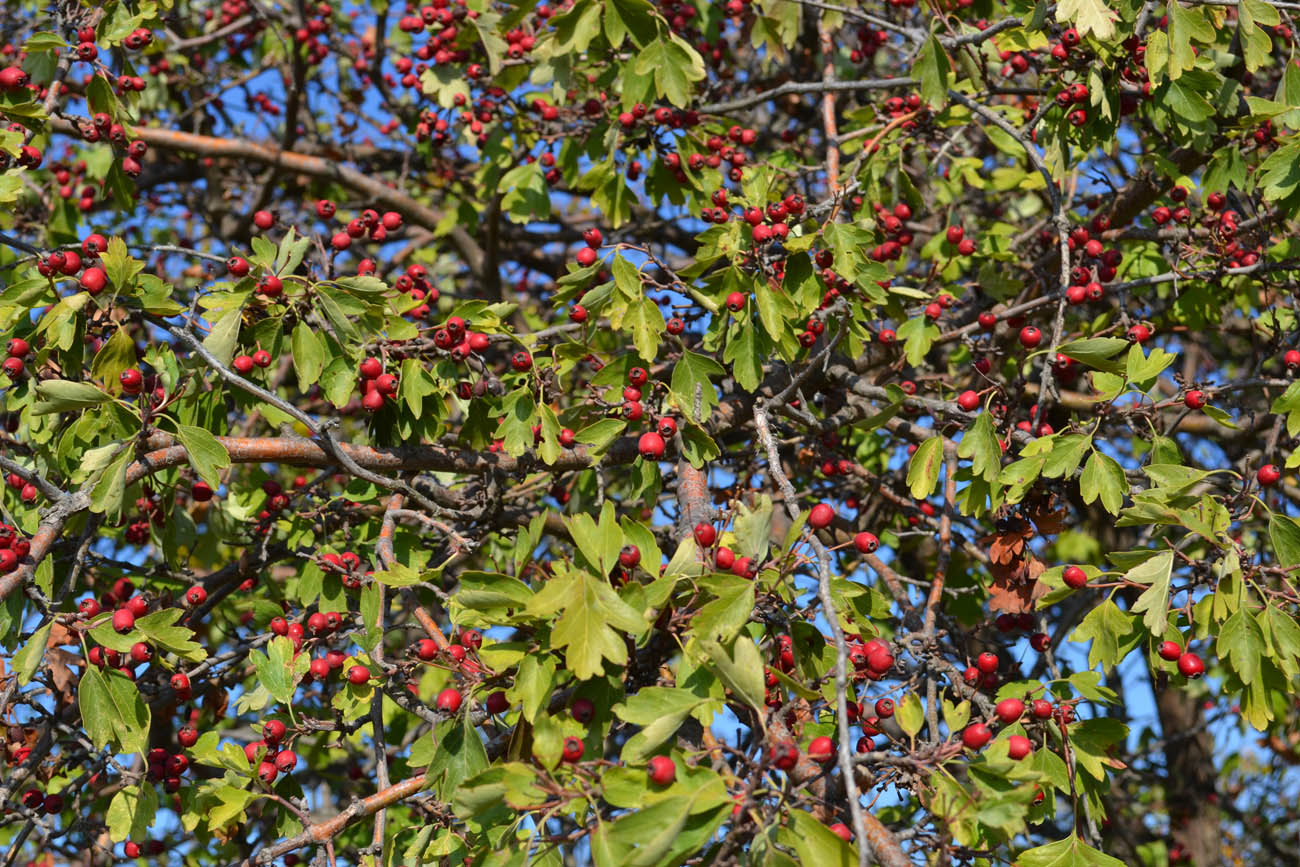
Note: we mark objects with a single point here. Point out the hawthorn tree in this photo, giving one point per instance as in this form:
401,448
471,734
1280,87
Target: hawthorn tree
767,432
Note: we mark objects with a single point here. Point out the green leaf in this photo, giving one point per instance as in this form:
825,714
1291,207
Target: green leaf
1096,352
587,629
281,668
308,355
815,843
61,395
1103,478
659,711
1070,852
1066,455
160,630
131,812
118,264
398,575
923,470
1241,642
692,372
110,488
114,356
1113,634
933,70
647,324
112,710
980,444
1156,573
224,336
910,714
741,669
459,756
1089,17
28,659
528,198
1284,533
730,609
206,452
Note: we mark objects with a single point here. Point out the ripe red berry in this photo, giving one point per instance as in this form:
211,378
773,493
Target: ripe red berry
629,557
187,736
521,361
94,279
132,380
955,234
586,257
866,543
573,749
273,731
1030,337
736,302
1019,746
975,736
1194,399
822,749
123,621
1009,710
1074,577
358,674
497,703
1190,665
448,700
987,662
968,400
1268,475
651,445
243,364
661,770
724,558
263,220
1170,651
839,829
238,266
705,534
821,516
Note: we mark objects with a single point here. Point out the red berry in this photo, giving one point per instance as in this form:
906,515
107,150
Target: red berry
822,749
705,534
573,749
651,445
968,400
1194,399
448,700
821,516
1074,577
866,543
1019,746
1190,665
662,770
1030,337
1009,710
987,662
1170,651
123,621
132,380
358,674
975,736
1268,475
